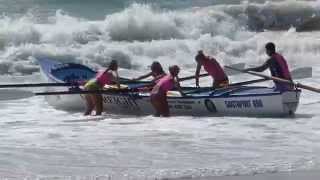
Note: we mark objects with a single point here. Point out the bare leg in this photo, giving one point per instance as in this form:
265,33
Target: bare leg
155,105
89,104
99,104
164,106
160,104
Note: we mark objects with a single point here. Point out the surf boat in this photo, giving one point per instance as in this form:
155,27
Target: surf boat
233,101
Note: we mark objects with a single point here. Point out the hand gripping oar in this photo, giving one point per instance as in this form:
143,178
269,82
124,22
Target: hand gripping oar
299,85
227,71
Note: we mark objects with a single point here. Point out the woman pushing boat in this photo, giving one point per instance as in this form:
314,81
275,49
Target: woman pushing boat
158,95
213,68
106,77
278,67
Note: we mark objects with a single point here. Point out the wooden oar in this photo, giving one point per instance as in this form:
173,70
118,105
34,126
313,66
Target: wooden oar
106,91
37,85
299,73
14,94
299,85
205,89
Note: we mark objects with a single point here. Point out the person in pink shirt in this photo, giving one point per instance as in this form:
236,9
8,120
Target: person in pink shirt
278,67
213,68
158,95
105,77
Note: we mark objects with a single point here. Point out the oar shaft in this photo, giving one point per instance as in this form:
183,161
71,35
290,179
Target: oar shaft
308,87
36,85
109,91
233,85
192,77
262,75
299,85
248,82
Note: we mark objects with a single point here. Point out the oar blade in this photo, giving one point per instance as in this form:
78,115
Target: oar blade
13,94
231,72
302,73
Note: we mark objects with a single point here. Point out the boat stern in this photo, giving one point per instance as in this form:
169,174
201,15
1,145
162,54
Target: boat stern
290,101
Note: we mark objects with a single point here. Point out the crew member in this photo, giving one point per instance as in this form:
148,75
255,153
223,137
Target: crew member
278,67
159,92
106,77
211,65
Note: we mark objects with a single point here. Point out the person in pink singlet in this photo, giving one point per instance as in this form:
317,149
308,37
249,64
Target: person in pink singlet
105,77
213,68
278,67
158,94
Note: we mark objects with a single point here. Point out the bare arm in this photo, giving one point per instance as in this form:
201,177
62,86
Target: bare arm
157,78
117,79
261,68
197,73
177,84
143,76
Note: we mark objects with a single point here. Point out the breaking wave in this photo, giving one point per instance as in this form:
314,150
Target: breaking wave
141,33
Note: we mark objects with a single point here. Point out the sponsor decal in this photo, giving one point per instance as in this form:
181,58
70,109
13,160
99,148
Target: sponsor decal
186,102
180,105
242,104
122,101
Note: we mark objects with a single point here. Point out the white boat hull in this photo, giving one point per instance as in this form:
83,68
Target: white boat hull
139,104
242,101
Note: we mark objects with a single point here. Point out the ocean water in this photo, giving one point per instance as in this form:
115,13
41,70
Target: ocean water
40,142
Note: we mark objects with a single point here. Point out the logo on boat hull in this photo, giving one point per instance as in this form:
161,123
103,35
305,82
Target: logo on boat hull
126,102
242,104
210,106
